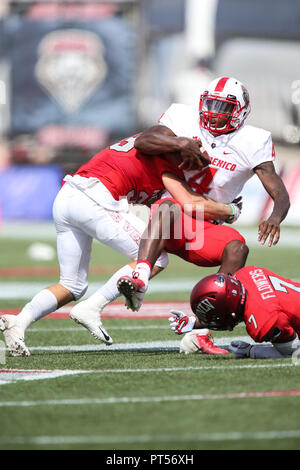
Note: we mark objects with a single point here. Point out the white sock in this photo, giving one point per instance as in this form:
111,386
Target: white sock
97,301
109,291
42,304
143,268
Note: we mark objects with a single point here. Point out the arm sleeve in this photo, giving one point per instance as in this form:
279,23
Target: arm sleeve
286,349
258,351
289,347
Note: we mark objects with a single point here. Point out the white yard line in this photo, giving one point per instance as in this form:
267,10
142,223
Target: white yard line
136,400
163,369
8,376
146,345
148,438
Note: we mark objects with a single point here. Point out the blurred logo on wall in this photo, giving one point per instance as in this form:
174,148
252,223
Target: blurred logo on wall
71,66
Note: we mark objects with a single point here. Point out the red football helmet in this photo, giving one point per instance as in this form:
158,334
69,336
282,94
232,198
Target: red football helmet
217,301
224,105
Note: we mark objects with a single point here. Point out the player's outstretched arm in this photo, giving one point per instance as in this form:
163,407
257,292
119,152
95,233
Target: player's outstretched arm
197,205
160,140
270,228
243,350
285,348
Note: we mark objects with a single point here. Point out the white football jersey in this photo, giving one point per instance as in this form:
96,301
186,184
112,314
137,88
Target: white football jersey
233,156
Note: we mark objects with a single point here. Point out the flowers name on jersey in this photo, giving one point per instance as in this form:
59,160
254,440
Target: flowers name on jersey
71,66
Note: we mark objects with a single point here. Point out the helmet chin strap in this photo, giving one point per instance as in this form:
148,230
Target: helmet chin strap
216,134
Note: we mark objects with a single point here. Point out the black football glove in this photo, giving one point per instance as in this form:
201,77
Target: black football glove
240,349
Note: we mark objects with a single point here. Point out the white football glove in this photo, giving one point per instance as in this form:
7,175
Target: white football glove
181,323
236,207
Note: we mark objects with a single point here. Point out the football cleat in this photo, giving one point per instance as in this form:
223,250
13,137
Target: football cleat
133,290
201,342
13,336
89,317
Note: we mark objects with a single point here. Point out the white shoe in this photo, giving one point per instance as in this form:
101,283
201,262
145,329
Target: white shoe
13,335
89,317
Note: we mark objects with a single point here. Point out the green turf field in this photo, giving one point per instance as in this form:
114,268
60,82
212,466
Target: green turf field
141,398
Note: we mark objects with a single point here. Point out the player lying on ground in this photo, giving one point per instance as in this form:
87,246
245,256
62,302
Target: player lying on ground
267,303
93,204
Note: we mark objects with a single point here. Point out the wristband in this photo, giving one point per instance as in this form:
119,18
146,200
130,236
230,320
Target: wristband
230,217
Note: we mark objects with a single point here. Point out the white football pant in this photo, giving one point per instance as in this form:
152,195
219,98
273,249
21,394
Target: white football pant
78,220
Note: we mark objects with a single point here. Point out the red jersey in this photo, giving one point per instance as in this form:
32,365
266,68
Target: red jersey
128,173
272,307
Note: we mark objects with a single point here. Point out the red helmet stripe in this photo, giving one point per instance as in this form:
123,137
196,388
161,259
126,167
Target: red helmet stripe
221,84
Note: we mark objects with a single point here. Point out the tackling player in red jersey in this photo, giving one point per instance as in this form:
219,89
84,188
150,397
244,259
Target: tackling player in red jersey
126,173
267,303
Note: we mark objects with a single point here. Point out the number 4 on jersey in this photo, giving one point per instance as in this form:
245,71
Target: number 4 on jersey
201,181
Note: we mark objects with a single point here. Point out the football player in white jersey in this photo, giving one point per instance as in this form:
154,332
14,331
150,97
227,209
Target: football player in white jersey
235,152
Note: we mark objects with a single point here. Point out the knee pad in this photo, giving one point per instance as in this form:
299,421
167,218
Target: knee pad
77,289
